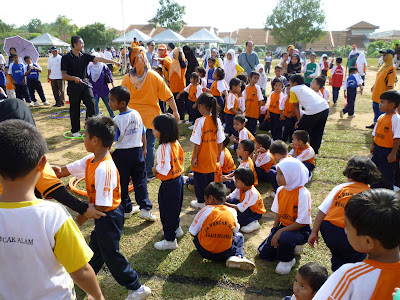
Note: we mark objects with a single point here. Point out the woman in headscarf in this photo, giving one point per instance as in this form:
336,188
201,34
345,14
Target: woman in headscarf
262,82
231,67
294,65
97,74
385,79
303,58
146,87
218,61
206,56
165,60
192,62
361,65
177,80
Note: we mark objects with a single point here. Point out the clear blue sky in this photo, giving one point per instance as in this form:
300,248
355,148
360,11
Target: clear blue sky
222,14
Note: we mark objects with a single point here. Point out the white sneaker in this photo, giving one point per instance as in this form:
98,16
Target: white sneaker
185,179
36,103
253,226
142,293
196,204
236,262
30,104
166,245
76,134
284,268
232,147
352,116
181,121
310,176
147,215
135,210
191,127
46,103
298,250
341,114
396,188
179,232
273,194
150,178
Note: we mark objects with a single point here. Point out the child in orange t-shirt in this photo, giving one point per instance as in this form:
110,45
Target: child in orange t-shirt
292,205
302,150
360,172
276,104
216,230
232,105
254,100
239,124
169,170
263,160
246,200
207,137
219,89
194,90
288,116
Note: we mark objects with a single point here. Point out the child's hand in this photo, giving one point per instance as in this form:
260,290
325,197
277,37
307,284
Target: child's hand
313,238
57,170
224,178
232,138
178,96
144,152
194,106
296,125
80,220
275,239
345,96
309,76
261,150
372,148
93,213
361,91
292,145
282,117
290,114
395,291
194,162
391,158
154,170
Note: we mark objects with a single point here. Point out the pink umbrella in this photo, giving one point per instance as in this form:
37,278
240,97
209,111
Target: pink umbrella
23,47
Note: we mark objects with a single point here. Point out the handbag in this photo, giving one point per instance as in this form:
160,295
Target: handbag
107,78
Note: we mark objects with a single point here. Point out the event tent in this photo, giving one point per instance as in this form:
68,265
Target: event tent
167,36
203,36
135,33
46,39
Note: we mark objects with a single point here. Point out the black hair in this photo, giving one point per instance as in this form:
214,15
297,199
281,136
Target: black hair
220,73
212,59
21,148
284,54
245,175
158,68
226,141
134,38
278,67
243,77
352,70
254,73
240,118
249,42
194,76
362,169
201,70
13,55
75,39
210,103
391,96
315,274
242,86
217,190
98,49
278,147
277,80
264,140
121,93
27,57
302,135
320,80
325,57
168,127
313,54
339,60
171,45
148,43
234,82
376,213
297,78
248,145
103,128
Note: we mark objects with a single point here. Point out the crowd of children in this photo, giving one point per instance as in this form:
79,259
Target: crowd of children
353,219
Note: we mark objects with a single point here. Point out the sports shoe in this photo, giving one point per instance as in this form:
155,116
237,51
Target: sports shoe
36,103
372,126
232,147
141,293
196,204
396,189
191,127
310,176
236,262
284,268
166,245
135,210
151,178
185,179
46,103
76,134
179,232
352,116
298,250
147,215
30,104
341,114
181,121
273,194
253,226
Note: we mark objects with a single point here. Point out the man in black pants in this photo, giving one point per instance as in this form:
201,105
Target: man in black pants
73,69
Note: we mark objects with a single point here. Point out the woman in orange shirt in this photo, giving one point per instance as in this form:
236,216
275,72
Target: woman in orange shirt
165,60
177,80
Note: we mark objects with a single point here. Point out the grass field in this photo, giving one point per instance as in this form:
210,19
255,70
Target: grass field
183,274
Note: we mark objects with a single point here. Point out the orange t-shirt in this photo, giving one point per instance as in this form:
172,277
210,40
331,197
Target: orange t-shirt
214,89
169,159
384,80
307,154
252,105
249,164
176,83
265,161
192,95
233,102
166,66
257,207
274,104
383,131
218,173
9,83
228,163
289,108
145,100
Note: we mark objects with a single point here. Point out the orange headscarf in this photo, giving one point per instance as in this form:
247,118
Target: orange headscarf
140,66
175,66
164,48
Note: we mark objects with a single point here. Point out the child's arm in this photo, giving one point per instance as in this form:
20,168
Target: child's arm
144,147
277,220
29,70
292,227
61,171
234,139
234,206
392,156
314,233
361,88
86,279
195,153
180,93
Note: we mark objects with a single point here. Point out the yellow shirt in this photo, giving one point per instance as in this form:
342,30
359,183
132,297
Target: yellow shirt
384,80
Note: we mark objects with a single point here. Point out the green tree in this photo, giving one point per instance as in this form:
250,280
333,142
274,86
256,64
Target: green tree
35,26
97,35
374,48
63,27
294,22
170,15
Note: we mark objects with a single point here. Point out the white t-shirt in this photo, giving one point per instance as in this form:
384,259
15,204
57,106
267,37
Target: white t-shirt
164,159
242,104
263,159
222,86
327,203
230,101
197,133
260,96
130,130
308,99
325,95
199,90
243,134
108,55
305,155
54,65
250,198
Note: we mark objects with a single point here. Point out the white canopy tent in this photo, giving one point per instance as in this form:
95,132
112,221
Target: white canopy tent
203,36
167,36
128,37
46,39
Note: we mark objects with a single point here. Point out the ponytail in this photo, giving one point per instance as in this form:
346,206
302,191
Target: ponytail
214,110
210,102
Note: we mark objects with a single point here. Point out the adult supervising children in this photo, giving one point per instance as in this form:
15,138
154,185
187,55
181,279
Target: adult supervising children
248,60
55,77
73,69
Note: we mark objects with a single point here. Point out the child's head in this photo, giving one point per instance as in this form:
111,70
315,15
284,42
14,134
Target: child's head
390,100
194,78
27,59
339,60
235,85
309,279
362,169
239,122
245,148
100,133
324,58
277,84
226,141
15,58
159,71
278,71
254,77
278,150
244,177
333,54
285,56
22,149
291,173
268,53
243,77
201,71
300,138
262,140
211,62
165,128
313,57
296,79
353,70
372,221
219,74
215,193
119,97
318,83
207,104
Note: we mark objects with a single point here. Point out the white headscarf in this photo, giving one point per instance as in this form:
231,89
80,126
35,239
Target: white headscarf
262,82
230,66
361,60
94,70
321,59
295,173
206,56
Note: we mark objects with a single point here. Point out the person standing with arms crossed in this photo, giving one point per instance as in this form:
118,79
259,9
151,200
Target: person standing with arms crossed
55,77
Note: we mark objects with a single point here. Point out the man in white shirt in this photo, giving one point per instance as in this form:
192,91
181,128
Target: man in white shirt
108,55
55,76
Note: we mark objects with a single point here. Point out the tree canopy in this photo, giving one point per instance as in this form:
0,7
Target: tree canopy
170,15
35,26
97,35
294,22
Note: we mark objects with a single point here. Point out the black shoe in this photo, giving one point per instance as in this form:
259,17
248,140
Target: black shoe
370,126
